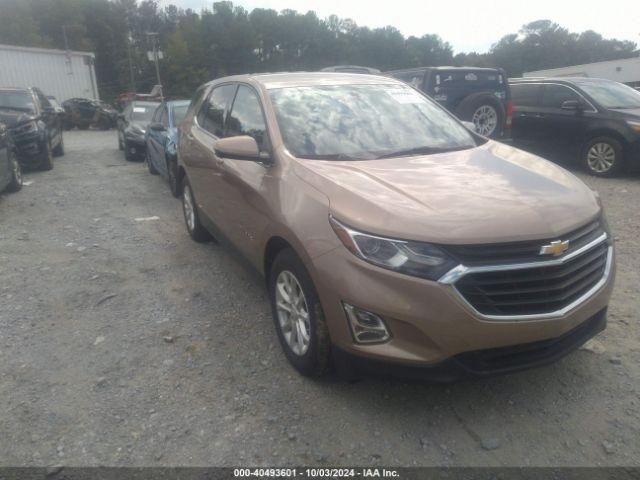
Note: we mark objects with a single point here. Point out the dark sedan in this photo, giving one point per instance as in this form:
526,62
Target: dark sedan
132,126
594,120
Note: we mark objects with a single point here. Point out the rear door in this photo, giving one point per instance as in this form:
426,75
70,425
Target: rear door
526,126
203,167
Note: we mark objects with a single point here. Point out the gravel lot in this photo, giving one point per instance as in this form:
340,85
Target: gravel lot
123,342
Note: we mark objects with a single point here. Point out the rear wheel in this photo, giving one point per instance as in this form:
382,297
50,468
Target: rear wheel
128,156
603,156
298,315
485,112
16,173
191,217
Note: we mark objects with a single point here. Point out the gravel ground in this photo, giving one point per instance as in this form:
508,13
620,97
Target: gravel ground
123,342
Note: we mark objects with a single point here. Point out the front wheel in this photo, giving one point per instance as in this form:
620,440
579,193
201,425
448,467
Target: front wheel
59,150
46,157
150,165
16,173
603,156
298,315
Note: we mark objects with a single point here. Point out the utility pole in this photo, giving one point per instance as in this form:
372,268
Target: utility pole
154,39
67,51
132,81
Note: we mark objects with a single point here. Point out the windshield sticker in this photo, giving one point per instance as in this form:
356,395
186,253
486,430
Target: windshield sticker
139,109
402,95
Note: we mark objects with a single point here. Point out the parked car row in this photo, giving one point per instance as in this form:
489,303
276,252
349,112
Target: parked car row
392,237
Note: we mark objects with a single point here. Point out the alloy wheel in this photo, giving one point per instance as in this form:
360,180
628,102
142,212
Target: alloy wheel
188,207
601,157
293,313
485,119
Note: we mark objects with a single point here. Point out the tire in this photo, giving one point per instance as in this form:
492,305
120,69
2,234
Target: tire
127,154
59,150
46,158
603,156
307,346
152,169
16,173
485,112
172,176
191,216
120,144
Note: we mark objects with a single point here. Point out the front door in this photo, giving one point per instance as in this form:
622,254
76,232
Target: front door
526,126
241,186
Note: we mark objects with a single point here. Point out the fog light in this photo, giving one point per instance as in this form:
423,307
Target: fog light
366,327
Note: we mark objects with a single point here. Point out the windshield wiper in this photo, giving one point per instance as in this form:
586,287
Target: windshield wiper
331,156
423,151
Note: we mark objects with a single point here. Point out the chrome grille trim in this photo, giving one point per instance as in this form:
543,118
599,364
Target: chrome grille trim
456,273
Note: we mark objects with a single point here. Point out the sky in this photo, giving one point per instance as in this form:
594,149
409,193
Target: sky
468,25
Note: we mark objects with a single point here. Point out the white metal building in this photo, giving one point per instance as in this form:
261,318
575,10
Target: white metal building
626,71
63,74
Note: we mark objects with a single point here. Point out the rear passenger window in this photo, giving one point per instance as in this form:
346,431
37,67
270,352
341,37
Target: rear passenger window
214,110
246,117
554,96
525,95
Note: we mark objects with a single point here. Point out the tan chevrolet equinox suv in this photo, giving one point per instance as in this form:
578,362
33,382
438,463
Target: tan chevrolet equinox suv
392,238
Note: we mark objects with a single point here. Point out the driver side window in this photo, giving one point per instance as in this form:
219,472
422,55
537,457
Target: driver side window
246,117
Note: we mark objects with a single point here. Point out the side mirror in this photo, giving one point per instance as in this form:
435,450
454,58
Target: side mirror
157,127
241,147
469,125
571,105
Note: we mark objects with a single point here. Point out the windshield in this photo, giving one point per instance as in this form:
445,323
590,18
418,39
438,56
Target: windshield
143,112
54,103
17,100
179,111
612,94
364,122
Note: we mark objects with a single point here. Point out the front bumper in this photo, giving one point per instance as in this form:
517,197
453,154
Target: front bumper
429,322
29,145
481,363
135,144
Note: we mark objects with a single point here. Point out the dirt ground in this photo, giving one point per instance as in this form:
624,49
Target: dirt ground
122,342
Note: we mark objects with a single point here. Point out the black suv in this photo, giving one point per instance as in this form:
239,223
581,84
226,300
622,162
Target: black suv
34,124
478,95
132,125
591,119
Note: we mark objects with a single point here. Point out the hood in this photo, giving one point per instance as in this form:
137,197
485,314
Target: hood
138,124
493,193
13,118
630,113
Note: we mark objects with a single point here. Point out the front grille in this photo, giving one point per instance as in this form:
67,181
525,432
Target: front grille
534,290
518,252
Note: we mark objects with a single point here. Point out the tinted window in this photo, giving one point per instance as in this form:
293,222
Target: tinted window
143,112
364,122
214,109
553,96
164,117
17,100
246,116
612,94
449,78
179,112
412,78
524,95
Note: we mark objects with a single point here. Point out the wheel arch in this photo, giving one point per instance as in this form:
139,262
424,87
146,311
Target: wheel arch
274,246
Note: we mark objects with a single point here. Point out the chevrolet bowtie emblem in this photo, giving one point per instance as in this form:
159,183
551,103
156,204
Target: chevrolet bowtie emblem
555,248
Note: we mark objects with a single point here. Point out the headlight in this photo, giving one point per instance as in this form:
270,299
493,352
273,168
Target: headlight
411,258
635,126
